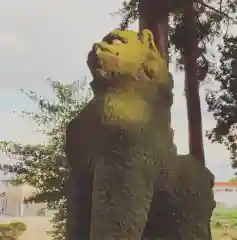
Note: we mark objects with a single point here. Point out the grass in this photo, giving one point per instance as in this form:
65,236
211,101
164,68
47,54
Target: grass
224,224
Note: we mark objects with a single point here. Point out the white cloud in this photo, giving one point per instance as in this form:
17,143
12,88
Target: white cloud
8,42
19,129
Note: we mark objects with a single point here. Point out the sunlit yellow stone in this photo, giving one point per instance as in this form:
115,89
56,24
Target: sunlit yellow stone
126,107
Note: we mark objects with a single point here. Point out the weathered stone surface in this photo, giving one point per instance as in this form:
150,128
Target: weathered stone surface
125,173
195,198
184,212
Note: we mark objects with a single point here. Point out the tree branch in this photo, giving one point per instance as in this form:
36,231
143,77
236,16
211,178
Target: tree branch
216,10
221,1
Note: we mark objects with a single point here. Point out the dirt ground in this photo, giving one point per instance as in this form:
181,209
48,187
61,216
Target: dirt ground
220,234
36,227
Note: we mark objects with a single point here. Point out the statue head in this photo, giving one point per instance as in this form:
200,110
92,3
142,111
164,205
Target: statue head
127,68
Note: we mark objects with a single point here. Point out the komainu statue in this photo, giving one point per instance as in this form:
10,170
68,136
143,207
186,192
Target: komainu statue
126,181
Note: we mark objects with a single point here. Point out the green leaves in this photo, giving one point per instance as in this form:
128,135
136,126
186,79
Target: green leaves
129,13
44,166
222,102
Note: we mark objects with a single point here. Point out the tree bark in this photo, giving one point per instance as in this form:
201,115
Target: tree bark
190,55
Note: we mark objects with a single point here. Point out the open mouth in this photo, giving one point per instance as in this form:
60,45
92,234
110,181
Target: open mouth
93,59
103,47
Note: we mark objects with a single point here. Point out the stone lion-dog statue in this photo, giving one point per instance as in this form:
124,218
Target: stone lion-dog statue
126,180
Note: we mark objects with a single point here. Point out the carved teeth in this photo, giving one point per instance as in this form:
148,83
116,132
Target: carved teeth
116,41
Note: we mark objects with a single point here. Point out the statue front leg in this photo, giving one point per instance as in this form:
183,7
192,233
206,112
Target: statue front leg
122,193
81,144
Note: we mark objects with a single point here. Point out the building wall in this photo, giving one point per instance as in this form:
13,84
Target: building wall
13,204
226,195
13,200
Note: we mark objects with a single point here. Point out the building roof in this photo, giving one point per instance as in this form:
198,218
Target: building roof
226,184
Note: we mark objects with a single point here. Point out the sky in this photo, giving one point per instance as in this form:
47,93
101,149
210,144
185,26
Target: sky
51,38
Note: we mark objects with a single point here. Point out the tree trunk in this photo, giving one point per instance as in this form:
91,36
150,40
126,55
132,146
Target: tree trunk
190,55
191,83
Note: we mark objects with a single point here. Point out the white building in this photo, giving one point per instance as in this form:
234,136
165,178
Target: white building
226,193
12,200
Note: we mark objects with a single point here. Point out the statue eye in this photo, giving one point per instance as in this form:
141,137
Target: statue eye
113,39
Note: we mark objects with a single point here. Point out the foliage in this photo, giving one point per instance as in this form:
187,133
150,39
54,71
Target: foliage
44,166
222,102
59,220
233,180
12,231
129,12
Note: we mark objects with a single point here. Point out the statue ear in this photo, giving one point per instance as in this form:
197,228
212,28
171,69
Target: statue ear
146,37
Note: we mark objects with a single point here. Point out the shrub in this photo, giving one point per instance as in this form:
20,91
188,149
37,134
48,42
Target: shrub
11,231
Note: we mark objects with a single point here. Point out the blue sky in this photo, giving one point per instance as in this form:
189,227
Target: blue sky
51,38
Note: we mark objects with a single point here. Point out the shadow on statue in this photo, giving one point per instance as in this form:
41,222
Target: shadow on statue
126,180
